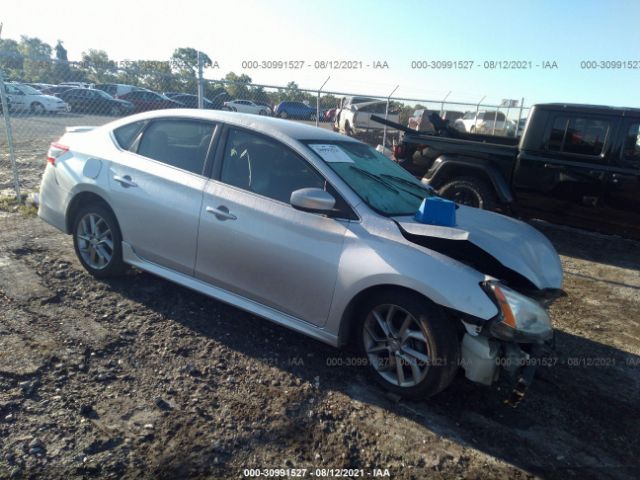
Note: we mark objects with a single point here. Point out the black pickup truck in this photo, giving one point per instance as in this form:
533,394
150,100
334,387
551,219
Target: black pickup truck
575,165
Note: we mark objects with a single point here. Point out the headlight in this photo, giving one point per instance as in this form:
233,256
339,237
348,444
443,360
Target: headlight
522,319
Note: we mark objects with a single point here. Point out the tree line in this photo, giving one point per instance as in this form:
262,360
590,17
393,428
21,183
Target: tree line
32,60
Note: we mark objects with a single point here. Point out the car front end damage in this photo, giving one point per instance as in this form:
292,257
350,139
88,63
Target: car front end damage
514,343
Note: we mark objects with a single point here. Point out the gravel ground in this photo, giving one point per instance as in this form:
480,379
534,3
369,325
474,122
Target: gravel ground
139,378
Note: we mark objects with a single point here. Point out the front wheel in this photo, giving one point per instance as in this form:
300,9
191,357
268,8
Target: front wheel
411,346
97,241
37,108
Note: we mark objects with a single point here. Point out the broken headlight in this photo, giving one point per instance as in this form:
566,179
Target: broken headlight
521,319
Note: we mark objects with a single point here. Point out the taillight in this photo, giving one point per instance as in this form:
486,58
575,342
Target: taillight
55,151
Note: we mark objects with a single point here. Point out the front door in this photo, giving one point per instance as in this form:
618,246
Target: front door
252,242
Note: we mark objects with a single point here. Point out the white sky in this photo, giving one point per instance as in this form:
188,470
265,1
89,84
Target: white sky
396,31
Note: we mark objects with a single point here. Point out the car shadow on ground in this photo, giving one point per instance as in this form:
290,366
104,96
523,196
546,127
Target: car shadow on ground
579,418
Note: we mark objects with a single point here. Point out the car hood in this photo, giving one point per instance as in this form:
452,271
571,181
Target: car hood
494,244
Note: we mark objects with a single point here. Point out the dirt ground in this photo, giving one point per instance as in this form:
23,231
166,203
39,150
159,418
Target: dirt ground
139,378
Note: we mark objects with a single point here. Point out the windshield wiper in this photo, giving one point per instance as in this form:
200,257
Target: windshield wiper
408,182
374,177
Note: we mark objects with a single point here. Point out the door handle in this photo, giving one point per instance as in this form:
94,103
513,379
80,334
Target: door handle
125,181
221,213
554,166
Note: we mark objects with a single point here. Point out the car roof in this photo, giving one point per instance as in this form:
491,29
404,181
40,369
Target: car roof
275,127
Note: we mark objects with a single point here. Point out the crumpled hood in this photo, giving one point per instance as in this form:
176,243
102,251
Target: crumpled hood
513,244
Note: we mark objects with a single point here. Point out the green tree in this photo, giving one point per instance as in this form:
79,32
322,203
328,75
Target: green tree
238,86
61,69
37,63
11,59
98,66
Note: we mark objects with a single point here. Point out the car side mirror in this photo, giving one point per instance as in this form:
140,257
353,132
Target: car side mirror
314,200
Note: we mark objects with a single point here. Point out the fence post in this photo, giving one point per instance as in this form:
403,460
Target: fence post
442,104
386,115
200,82
318,101
7,125
475,120
519,115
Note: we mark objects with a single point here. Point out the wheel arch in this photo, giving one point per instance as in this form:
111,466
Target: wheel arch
349,315
445,169
79,200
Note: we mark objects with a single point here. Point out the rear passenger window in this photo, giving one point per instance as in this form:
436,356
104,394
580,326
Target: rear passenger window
266,167
582,136
179,143
127,133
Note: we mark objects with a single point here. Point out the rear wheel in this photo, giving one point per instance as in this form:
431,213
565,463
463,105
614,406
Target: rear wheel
470,191
97,241
411,347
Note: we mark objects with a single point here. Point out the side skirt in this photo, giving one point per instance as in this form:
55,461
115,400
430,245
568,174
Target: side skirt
293,323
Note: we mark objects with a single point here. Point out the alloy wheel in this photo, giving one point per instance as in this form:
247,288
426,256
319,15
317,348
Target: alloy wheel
95,241
397,345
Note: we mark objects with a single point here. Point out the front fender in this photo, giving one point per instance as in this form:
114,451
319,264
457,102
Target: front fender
379,261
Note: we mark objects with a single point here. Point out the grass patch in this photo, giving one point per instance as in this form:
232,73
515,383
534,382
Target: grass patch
10,204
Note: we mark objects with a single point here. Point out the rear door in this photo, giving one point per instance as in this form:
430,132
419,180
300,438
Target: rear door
621,199
252,242
156,189
564,179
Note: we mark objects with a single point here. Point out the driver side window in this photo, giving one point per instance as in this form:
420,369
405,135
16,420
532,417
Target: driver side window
266,167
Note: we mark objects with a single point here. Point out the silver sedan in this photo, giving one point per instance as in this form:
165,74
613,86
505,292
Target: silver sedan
311,230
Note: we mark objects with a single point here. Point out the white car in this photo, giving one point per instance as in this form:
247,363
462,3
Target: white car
486,122
24,98
246,106
355,116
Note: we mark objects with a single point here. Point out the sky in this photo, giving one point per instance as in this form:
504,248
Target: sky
398,32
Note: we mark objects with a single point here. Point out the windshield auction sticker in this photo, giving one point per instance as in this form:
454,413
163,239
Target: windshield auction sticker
331,153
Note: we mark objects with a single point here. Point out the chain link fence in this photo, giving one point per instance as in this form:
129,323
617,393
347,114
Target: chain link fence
36,114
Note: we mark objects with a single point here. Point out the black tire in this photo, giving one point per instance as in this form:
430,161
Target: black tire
470,191
347,129
262,112
38,109
312,117
116,265
439,330
284,114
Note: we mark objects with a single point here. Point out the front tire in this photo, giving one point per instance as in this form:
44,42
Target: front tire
470,191
97,241
37,108
412,348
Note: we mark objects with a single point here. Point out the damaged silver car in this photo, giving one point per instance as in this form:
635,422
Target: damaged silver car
314,231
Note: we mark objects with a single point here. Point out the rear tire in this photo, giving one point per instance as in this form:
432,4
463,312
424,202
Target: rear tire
412,348
97,241
470,191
